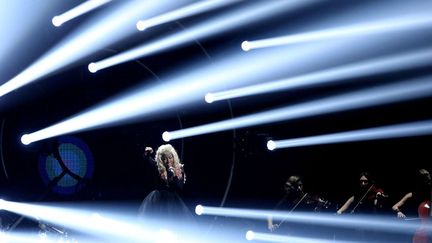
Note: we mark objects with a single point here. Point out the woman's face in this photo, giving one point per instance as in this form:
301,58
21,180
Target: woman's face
169,160
364,181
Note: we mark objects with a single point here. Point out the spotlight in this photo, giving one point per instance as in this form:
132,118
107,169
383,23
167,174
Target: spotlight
166,136
233,19
209,98
199,209
141,25
2,202
57,21
245,45
250,235
380,95
392,131
77,11
92,67
271,145
25,139
377,27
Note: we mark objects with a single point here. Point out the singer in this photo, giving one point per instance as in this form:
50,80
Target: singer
164,203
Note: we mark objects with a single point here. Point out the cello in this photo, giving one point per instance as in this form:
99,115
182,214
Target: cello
423,233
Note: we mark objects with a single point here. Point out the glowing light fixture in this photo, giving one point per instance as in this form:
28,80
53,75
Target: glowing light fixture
199,209
92,67
250,235
271,145
79,10
245,45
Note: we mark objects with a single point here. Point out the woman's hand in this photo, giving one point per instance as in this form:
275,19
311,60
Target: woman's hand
272,227
400,215
148,151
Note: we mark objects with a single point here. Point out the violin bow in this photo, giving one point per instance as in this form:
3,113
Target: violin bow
361,199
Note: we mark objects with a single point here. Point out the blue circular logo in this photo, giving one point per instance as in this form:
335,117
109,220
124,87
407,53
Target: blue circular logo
67,169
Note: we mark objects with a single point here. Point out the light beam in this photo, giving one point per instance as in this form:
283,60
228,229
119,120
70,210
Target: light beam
381,27
77,11
382,65
234,19
420,128
187,11
380,95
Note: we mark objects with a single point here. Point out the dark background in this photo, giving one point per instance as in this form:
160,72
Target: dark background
258,175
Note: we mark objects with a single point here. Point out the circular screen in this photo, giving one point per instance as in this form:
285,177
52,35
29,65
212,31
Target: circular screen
68,167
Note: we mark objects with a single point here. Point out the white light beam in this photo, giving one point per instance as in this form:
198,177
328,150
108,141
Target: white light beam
231,20
77,11
183,12
394,131
370,67
401,23
360,99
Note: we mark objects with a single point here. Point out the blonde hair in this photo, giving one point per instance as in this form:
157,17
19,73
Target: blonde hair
162,152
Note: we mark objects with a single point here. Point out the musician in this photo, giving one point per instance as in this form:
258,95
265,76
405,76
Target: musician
421,191
296,200
165,201
368,198
416,205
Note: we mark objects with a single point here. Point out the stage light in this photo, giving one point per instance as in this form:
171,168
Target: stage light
2,204
182,87
385,94
25,139
250,235
286,238
394,131
245,46
115,226
271,145
209,98
187,11
234,19
199,209
92,67
79,10
166,136
56,21
376,66
142,25
389,25
104,29
380,223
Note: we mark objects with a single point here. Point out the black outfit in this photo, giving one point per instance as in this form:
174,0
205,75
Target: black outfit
297,202
164,202
366,202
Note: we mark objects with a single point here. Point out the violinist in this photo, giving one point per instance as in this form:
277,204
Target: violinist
296,200
368,198
293,194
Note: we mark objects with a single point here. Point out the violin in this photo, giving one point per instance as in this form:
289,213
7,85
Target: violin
309,200
317,202
373,194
